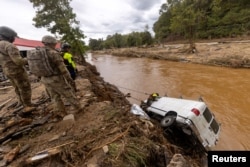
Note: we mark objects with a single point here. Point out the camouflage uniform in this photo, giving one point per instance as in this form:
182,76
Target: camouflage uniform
13,67
58,85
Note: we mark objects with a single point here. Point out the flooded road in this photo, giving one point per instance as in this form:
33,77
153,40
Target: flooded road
226,91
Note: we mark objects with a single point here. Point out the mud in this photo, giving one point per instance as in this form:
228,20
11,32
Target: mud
224,53
105,134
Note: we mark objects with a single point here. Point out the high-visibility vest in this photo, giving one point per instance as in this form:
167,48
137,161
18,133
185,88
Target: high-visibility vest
69,58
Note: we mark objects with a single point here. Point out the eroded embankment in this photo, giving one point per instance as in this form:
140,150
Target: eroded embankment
105,134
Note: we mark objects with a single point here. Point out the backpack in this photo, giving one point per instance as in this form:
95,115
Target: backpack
39,64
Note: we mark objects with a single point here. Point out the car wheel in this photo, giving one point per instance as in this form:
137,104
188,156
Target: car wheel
168,121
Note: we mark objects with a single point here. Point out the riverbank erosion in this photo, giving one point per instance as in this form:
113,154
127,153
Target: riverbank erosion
226,53
105,134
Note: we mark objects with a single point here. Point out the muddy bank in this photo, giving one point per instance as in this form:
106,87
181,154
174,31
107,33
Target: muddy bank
234,54
105,134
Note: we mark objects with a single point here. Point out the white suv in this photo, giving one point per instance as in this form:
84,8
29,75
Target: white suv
193,117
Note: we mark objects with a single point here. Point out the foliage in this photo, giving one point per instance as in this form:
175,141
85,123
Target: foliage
58,18
95,44
192,19
120,41
162,27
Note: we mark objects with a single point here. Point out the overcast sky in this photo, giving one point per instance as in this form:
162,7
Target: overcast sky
98,18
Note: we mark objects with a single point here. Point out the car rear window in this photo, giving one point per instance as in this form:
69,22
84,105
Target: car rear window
215,126
207,114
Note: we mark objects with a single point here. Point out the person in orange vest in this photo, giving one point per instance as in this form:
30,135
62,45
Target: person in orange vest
68,60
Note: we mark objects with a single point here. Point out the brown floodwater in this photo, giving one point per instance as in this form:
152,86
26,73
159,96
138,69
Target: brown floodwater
225,90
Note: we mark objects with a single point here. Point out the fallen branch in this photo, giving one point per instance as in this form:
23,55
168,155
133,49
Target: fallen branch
4,103
56,147
116,138
43,155
17,109
20,122
46,153
6,87
14,133
12,154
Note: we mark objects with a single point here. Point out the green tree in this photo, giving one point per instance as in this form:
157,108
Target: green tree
58,18
146,38
163,9
118,42
109,42
191,19
184,20
162,27
95,44
131,40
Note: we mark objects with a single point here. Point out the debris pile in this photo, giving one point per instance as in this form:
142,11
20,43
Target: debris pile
229,53
106,134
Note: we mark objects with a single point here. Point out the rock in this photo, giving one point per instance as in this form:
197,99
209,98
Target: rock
105,149
93,162
64,134
69,117
88,95
178,161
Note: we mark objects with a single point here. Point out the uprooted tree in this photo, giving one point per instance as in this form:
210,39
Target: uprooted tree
58,18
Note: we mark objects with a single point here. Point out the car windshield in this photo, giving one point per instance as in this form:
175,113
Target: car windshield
215,126
207,114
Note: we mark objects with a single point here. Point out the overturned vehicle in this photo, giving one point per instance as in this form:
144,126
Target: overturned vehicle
190,116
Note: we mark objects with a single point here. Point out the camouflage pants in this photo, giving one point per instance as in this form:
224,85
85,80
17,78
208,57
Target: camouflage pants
57,87
20,81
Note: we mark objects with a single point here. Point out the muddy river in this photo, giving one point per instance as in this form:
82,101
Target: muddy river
226,91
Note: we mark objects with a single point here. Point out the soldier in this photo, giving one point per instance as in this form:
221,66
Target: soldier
59,83
13,67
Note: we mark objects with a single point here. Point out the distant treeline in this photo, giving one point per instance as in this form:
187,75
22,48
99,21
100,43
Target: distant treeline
189,20
120,41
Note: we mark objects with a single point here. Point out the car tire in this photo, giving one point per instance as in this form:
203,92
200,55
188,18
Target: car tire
168,121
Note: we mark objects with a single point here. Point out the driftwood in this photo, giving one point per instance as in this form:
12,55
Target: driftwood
42,99
21,122
12,154
6,87
17,109
5,83
9,157
46,153
41,156
4,103
12,105
14,133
